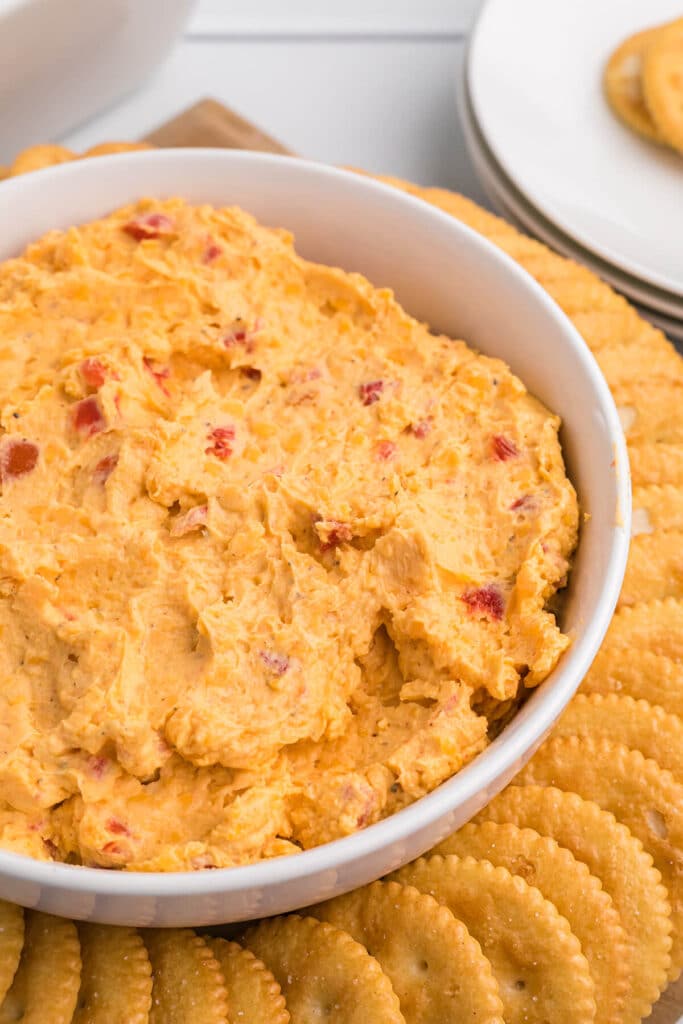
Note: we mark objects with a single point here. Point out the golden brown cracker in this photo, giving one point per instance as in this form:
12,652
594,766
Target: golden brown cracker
187,983
107,148
46,983
656,464
602,327
116,977
569,885
639,674
640,794
253,993
323,972
655,626
38,157
536,959
655,566
437,969
635,723
11,941
624,86
651,409
617,858
629,363
662,82
584,294
658,508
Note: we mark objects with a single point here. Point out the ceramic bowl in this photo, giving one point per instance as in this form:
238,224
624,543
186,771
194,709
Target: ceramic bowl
446,274
63,61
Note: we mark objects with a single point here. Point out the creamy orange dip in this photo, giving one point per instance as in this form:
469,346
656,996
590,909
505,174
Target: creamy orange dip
273,556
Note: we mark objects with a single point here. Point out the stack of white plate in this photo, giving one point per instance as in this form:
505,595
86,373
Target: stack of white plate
554,159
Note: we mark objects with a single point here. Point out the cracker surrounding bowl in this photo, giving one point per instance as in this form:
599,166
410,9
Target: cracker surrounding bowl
568,884
645,797
617,858
536,958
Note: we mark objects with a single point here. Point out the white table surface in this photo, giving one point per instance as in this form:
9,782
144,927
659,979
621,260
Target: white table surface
369,83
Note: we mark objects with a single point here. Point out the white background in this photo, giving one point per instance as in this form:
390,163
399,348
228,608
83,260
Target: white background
364,82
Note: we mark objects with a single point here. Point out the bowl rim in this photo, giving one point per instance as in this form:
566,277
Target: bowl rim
519,738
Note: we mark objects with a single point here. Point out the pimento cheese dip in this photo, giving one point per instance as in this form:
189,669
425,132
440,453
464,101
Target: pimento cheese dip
274,557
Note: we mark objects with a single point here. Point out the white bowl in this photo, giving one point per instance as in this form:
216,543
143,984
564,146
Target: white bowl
62,61
446,274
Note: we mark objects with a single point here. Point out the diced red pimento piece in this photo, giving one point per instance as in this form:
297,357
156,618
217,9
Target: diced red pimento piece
87,417
274,662
104,469
159,373
386,450
93,372
239,334
18,456
117,827
503,447
212,251
337,533
371,391
251,372
98,765
149,225
113,848
487,600
194,519
420,429
51,848
221,439
527,501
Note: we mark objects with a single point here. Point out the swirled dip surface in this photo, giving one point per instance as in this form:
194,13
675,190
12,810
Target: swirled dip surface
273,556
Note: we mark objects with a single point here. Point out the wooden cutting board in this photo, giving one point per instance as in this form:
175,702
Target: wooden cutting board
209,123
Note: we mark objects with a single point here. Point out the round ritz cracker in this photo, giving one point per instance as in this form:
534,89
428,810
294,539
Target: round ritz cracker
635,723
324,974
662,82
438,970
617,858
655,568
569,885
187,984
37,157
638,674
613,326
253,993
116,977
624,363
656,509
651,410
541,972
624,86
656,463
45,985
640,794
11,942
655,626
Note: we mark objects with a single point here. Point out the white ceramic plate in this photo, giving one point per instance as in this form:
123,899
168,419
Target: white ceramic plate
535,79
510,201
444,273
